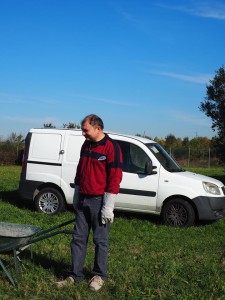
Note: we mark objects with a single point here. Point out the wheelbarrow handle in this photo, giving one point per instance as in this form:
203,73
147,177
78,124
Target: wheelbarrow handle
42,237
54,227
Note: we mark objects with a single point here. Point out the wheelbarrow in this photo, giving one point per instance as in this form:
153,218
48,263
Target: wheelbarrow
17,237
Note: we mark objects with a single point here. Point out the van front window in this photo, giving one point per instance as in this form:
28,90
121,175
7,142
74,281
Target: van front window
164,158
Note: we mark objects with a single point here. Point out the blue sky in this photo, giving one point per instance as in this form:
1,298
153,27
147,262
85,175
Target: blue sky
142,66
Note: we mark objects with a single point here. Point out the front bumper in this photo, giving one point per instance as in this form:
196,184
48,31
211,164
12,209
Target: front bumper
210,208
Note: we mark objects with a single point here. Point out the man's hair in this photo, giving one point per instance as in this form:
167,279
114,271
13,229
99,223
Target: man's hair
93,120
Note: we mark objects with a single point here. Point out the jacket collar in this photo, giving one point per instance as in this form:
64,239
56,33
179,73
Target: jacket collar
101,142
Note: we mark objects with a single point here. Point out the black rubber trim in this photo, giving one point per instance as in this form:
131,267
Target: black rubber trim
130,192
43,163
137,192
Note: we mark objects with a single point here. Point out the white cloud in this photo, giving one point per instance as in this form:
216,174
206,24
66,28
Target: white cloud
197,78
204,9
16,99
105,100
188,118
128,12
28,120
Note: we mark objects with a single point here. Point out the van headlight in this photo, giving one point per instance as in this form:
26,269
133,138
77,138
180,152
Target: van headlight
211,188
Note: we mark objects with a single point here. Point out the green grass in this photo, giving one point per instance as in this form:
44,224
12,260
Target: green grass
147,260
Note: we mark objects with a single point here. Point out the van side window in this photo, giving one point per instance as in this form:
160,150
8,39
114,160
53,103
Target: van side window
134,158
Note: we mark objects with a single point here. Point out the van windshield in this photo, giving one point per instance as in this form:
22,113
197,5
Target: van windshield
164,158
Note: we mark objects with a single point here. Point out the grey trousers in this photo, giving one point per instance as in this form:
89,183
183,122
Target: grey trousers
89,217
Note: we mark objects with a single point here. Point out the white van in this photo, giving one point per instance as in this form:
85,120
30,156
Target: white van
152,181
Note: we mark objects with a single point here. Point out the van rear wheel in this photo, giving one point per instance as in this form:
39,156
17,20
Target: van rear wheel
178,212
49,201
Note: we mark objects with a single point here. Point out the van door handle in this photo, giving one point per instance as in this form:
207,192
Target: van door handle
61,152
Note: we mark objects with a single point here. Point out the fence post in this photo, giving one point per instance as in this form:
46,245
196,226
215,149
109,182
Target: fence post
209,158
189,153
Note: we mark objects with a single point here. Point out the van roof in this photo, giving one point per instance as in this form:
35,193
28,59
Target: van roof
136,137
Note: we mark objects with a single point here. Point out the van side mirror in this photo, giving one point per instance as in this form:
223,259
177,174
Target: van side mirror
149,168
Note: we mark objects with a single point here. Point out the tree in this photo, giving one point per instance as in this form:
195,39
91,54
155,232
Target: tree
13,138
15,143
214,107
48,125
71,125
186,142
170,140
161,141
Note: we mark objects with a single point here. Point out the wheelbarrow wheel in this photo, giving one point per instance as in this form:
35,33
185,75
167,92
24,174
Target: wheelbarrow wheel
49,201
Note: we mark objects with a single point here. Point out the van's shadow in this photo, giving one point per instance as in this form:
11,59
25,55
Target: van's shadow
155,219
13,197
138,216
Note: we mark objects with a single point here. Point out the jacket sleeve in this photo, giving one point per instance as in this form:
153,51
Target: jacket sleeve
114,168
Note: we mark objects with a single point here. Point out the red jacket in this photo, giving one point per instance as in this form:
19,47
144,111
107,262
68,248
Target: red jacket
100,167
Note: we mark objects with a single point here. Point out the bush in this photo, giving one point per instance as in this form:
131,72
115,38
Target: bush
10,154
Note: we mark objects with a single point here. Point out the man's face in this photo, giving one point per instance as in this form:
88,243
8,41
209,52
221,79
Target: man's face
90,132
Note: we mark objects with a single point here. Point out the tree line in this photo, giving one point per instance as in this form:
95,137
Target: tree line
182,149
197,151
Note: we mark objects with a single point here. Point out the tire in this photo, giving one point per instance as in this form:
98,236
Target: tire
49,201
178,212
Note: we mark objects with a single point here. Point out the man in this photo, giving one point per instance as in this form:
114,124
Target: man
97,182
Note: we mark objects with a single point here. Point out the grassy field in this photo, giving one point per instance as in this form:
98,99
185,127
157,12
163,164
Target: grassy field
147,260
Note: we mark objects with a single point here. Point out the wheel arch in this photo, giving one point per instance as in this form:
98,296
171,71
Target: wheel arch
48,185
181,197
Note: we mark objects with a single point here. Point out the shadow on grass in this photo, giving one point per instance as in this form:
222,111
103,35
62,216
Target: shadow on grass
157,220
139,216
13,197
59,268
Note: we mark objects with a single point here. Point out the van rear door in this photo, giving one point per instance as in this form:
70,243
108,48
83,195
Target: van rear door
42,162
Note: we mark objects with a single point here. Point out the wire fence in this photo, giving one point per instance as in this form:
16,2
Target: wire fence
185,156
10,155
195,157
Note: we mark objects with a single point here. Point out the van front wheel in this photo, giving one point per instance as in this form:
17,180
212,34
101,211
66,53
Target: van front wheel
49,201
178,212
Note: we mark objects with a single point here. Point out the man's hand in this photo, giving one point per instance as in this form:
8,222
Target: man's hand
107,214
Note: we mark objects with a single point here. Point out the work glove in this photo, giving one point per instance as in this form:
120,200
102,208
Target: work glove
76,196
107,214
